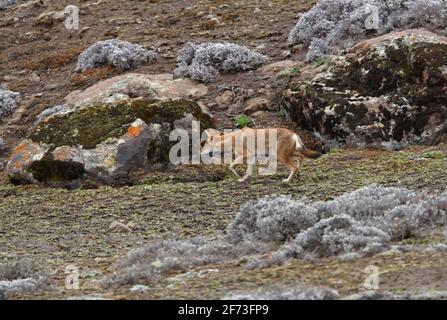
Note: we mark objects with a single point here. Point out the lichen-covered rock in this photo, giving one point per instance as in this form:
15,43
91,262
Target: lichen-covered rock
85,126
23,157
108,160
131,85
388,91
110,129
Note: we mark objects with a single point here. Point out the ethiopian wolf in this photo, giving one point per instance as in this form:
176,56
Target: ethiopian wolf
247,145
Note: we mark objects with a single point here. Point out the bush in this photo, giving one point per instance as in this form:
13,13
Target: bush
272,219
4,4
205,61
122,55
332,25
149,262
365,220
341,234
20,269
299,292
22,276
8,102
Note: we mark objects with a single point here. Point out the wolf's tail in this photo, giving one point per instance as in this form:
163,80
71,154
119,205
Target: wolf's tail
301,148
311,153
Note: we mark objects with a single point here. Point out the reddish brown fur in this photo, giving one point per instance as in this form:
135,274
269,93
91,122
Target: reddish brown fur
289,148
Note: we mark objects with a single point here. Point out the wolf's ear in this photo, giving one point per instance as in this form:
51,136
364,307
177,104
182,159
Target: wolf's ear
210,133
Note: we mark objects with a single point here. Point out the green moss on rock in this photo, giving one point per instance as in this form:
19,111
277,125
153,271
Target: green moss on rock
89,126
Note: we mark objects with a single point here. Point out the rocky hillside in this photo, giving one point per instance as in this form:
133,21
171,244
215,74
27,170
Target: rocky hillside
86,188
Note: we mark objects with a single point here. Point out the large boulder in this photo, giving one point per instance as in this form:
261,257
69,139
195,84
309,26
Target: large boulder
388,91
108,130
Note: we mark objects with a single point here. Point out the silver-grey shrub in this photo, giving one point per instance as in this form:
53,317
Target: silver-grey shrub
366,220
281,292
341,234
9,101
23,276
206,61
149,262
332,25
4,4
272,219
122,55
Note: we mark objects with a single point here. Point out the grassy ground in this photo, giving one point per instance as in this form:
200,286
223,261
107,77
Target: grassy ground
62,227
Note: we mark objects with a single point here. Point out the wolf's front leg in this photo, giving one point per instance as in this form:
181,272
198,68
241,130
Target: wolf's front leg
249,173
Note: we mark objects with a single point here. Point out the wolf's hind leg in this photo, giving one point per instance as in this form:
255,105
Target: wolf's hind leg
293,170
299,158
238,160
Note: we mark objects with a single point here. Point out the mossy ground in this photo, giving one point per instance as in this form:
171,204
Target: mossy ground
64,227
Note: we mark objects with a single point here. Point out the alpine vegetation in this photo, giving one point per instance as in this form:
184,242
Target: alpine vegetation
9,101
23,276
276,229
298,292
206,61
150,262
366,220
122,55
272,219
332,25
4,4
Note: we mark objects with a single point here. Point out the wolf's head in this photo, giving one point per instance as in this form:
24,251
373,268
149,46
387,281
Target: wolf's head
211,141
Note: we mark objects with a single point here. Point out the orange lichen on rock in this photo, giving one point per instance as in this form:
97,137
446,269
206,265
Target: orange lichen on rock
134,131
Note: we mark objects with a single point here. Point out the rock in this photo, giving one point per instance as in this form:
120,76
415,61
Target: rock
48,18
119,227
23,157
85,125
2,145
286,54
139,288
388,91
34,77
261,115
10,78
225,99
130,85
278,67
256,104
114,157
71,140
92,298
